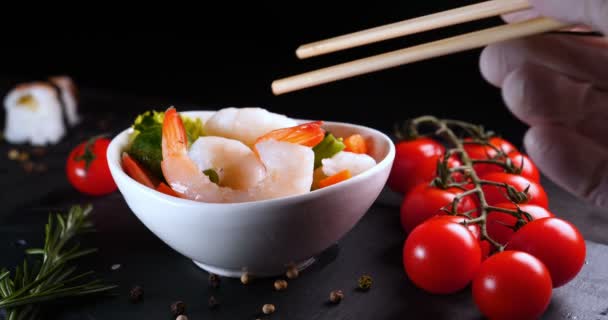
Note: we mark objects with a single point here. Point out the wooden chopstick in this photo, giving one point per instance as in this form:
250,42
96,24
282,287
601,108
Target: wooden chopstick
429,50
425,23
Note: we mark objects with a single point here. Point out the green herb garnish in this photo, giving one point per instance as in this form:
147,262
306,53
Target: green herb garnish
327,148
54,277
145,146
213,176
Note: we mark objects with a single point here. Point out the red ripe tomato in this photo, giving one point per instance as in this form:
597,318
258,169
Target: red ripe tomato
473,228
495,195
500,225
512,285
555,242
87,168
453,162
441,256
481,152
425,201
486,249
522,163
415,162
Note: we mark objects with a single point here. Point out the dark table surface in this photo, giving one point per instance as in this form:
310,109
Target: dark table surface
373,247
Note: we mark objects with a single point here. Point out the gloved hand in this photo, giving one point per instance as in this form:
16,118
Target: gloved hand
558,84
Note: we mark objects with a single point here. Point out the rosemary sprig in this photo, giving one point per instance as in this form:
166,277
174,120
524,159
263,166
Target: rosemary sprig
52,277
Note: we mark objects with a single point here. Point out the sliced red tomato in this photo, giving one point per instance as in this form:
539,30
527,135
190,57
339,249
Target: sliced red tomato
137,172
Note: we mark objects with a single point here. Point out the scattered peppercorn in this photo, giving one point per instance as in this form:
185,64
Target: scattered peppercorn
280,285
181,317
292,272
213,302
245,278
13,154
336,296
268,308
365,282
214,280
178,308
136,294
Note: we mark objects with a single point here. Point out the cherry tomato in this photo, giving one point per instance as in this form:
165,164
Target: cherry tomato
482,152
512,285
415,162
486,249
87,168
522,163
453,162
441,256
495,195
473,228
425,201
501,225
555,242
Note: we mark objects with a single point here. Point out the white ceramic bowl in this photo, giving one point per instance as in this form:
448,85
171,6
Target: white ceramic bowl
261,237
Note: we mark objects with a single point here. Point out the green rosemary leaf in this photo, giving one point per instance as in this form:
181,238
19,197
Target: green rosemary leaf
52,277
4,274
35,251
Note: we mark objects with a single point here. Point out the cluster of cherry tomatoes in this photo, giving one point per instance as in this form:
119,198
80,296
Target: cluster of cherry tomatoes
530,252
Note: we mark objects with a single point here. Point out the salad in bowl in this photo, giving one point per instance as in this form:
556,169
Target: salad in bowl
246,190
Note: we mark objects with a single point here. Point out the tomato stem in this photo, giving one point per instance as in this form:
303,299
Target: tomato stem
477,135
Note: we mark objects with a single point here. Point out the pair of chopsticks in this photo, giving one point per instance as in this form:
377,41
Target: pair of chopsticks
417,53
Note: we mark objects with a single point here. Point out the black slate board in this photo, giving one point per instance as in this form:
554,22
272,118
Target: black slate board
372,247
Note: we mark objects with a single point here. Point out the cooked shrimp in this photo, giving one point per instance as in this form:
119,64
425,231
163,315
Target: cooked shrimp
235,164
245,124
288,166
356,163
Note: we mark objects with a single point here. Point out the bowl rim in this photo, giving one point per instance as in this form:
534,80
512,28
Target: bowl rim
116,168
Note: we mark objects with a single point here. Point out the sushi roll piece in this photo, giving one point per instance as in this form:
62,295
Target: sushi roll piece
69,98
33,114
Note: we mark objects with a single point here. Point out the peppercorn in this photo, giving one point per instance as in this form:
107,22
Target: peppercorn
292,272
336,296
245,278
268,308
136,294
280,285
213,303
214,280
181,317
178,308
365,282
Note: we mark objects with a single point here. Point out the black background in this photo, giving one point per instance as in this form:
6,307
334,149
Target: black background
227,54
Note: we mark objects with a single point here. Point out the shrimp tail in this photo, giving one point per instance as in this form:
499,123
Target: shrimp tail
174,138
307,134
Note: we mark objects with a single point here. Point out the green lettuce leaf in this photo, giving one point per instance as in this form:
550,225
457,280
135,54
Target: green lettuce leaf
327,148
145,141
